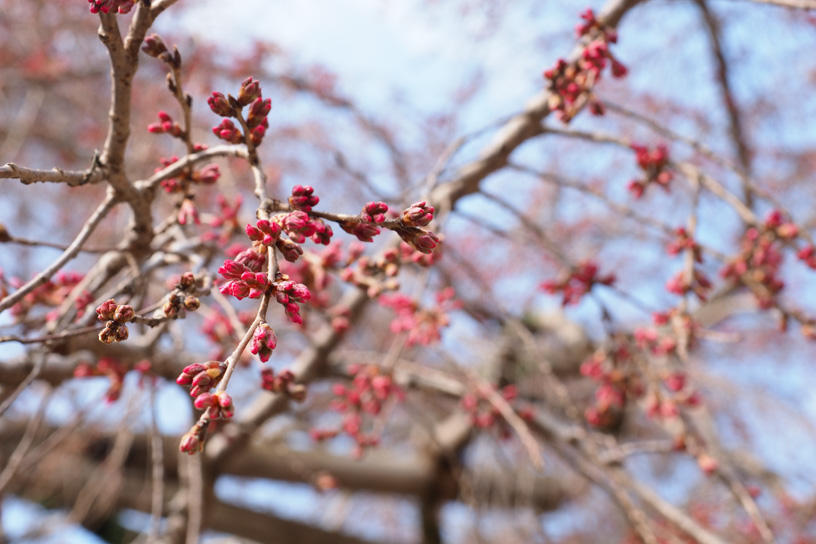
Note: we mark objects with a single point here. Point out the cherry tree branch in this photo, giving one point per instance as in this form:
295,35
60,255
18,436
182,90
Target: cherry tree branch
724,79
72,178
70,252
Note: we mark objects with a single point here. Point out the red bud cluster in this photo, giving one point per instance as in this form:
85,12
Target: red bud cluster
758,264
283,383
208,175
217,405
51,294
577,282
303,198
423,326
263,342
570,84
108,367
115,316
485,415
364,398
166,125
202,376
289,294
654,163
106,6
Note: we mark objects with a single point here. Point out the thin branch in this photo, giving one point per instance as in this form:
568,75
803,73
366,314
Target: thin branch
723,77
53,245
71,252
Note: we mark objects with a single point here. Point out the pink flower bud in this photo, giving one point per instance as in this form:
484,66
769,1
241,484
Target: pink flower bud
227,131
190,443
303,198
106,310
251,259
290,250
258,111
232,270
153,45
207,175
418,214
250,90
121,333
124,313
220,105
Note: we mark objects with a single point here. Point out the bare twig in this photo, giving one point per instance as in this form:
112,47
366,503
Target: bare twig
71,252
723,77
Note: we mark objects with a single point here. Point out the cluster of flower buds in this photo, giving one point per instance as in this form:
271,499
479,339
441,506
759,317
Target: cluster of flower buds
423,241
207,175
577,282
182,297
758,263
684,242
115,316
187,212
367,273
227,131
618,380
808,256
681,284
365,226
217,405
52,294
650,339
225,224
484,414
654,163
313,272
256,119
116,6
410,255
108,367
264,234
220,331
303,198
264,341
374,212
682,323
570,84
283,383
193,440
166,125
299,225
289,249
242,281
154,46
781,227
423,326
365,397
201,377
666,404
289,294
417,215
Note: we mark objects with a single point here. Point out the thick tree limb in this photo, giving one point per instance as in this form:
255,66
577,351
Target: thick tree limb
72,178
